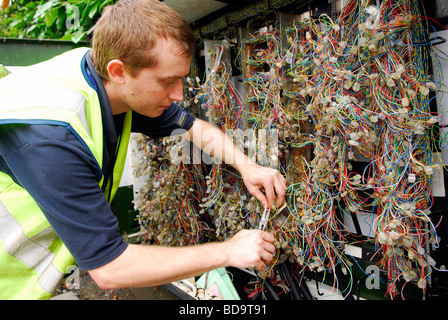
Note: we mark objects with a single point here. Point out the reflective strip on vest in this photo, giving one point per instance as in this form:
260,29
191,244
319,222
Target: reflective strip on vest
64,104
32,252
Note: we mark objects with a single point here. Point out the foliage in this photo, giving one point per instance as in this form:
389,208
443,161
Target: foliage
53,19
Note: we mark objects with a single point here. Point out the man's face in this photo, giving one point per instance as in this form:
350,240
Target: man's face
153,90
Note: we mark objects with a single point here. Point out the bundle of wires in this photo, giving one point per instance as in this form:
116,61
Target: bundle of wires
333,93
363,80
167,203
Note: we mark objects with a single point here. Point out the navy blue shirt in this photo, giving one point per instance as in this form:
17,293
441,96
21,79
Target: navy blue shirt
62,177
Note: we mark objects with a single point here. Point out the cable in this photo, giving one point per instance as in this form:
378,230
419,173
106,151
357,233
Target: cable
322,97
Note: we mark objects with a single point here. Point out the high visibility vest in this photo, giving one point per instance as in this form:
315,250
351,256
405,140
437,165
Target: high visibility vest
33,260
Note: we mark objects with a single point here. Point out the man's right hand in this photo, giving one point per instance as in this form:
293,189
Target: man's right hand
250,248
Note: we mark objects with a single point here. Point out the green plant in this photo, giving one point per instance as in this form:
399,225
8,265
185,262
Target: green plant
3,71
53,19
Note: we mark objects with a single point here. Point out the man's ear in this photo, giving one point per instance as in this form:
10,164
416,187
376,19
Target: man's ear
116,71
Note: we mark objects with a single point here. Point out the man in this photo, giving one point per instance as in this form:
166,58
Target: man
64,130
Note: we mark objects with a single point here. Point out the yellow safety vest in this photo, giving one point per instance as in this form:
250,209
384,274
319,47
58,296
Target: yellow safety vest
33,260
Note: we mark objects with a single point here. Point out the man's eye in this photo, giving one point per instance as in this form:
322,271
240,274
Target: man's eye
170,81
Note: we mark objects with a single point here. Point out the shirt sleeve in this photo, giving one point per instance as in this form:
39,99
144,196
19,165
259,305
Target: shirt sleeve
62,177
173,121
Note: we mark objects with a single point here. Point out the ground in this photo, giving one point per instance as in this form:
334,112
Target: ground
86,289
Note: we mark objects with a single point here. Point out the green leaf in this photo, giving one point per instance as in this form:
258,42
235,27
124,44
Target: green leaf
85,11
30,6
93,11
42,9
51,17
79,35
3,71
17,24
67,37
62,18
30,29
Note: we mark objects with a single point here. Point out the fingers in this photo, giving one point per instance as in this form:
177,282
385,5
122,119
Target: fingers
267,250
280,188
253,248
265,259
266,184
267,255
275,189
256,192
250,248
261,267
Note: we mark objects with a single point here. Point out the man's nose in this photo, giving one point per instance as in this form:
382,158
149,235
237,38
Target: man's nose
177,93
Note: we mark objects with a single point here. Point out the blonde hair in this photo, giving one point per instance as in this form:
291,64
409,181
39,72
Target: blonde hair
129,30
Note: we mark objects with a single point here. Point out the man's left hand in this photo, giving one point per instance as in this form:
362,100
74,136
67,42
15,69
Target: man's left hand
258,178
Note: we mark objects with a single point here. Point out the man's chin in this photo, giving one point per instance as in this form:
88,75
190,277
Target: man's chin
153,114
